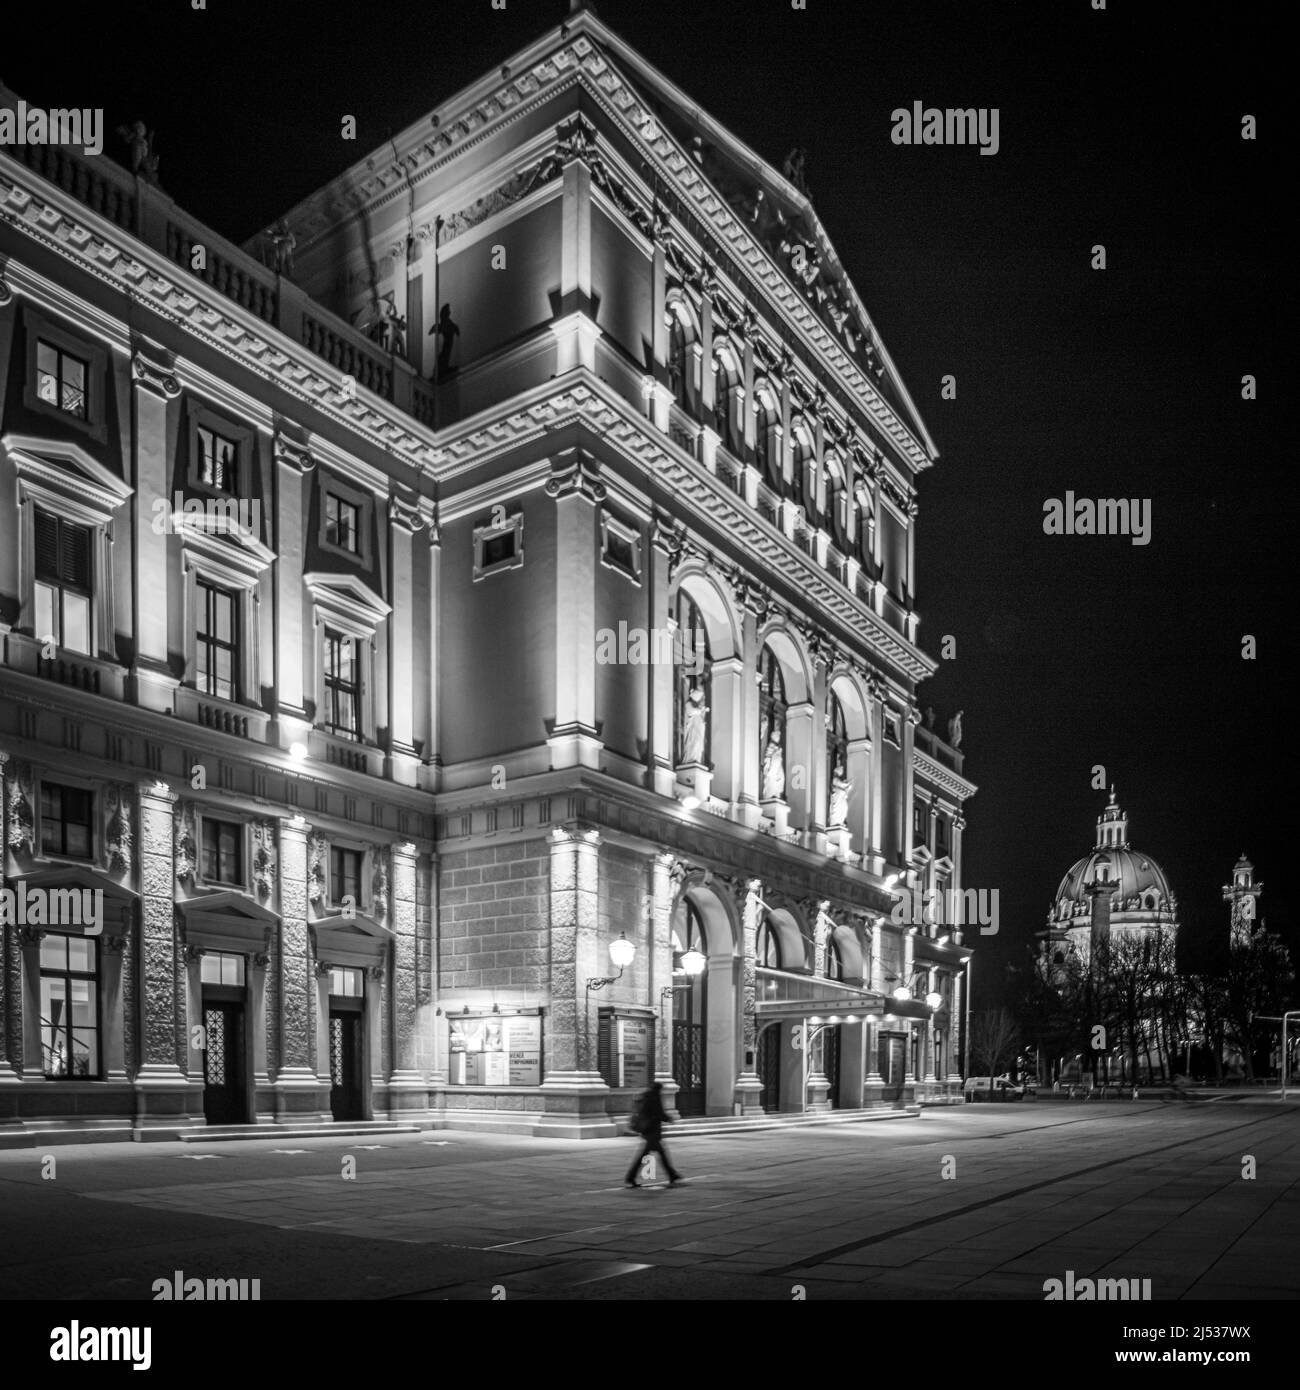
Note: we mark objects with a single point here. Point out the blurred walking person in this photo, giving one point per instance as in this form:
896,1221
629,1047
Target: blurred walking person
648,1121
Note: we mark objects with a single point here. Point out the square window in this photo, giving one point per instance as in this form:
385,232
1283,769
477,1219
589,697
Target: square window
61,379
66,817
621,547
499,547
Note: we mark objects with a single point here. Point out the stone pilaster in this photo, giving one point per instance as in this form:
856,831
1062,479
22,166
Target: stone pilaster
300,1095
408,1087
665,547
293,464
877,986
11,962
155,385
429,724
574,1090
578,491
164,1096
114,951
661,973
404,520
258,978
749,1084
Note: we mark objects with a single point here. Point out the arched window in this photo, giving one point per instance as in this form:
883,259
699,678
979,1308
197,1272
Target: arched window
837,762
693,685
837,501
834,961
677,368
767,456
769,947
771,726
725,379
805,470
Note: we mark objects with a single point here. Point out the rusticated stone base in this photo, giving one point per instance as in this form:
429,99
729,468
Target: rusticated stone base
576,1104
748,1088
300,1097
166,1102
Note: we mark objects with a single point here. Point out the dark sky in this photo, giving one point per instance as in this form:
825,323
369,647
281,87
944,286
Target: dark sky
1119,127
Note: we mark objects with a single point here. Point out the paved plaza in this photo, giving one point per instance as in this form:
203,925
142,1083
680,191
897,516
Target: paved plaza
1147,1190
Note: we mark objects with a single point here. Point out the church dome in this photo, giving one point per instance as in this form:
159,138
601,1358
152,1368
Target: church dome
1140,883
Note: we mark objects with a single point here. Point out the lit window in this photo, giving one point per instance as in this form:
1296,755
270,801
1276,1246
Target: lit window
342,685
218,460
342,523
217,641
66,818
61,379
223,858
221,968
69,1007
63,583
347,983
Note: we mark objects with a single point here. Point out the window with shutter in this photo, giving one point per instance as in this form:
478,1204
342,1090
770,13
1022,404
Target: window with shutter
63,582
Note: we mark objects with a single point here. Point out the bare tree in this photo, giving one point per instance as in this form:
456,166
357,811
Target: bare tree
993,1036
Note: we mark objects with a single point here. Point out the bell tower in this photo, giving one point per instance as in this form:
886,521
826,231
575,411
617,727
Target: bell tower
1243,894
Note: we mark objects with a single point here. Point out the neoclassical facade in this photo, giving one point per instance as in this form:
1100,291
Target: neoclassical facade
508,558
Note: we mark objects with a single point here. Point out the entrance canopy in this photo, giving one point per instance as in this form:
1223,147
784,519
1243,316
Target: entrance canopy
779,994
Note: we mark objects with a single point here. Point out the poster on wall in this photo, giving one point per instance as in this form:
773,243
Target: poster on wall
634,1052
524,1049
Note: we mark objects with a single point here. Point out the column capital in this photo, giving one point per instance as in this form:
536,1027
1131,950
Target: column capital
156,789
148,370
6,294
574,475
290,454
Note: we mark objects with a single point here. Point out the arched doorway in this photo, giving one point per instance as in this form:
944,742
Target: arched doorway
705,1010
769,1040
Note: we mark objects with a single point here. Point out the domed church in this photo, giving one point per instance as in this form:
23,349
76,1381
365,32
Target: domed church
1113,890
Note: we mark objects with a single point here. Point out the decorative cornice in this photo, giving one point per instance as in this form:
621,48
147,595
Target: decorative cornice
942,777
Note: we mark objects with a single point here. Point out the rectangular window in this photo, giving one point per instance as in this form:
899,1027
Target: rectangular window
342,685
345,875
346,982
61,379
221,968
70,1007
63,582
342,523
223,857
218,460
66,818
217,641
918,823
941,841
499,547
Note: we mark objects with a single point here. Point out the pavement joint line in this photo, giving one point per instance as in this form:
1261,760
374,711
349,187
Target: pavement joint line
836,1251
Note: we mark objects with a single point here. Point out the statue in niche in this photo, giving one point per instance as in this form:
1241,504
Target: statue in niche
841,790
448,331
694,726
773,771
954,729
929,716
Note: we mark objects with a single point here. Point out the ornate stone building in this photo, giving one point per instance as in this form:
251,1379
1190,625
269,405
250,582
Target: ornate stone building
509,556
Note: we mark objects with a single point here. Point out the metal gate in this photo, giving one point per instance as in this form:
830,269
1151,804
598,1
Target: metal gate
223,1064
688,1066
831,1063
769,1066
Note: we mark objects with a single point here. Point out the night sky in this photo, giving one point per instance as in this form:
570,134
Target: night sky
1120,127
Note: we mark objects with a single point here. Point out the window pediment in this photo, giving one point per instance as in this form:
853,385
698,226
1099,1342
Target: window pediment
345,598
65,471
